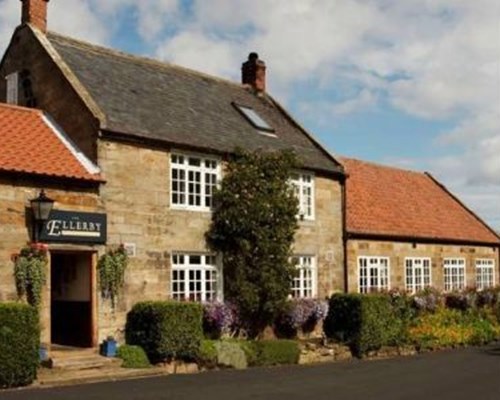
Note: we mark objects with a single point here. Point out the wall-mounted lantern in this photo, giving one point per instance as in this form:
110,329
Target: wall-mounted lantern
41,207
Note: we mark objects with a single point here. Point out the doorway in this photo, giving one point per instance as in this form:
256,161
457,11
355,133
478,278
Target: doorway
71,299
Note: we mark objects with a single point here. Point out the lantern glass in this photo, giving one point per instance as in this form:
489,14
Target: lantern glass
42,206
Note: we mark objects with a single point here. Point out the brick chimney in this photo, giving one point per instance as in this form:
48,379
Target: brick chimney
253,73
35,13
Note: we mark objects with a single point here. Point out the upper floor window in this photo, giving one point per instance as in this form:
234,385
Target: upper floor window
304,283
418,274
454,274
373,274
255,119
303,185
485,273
193,180
195,277
12,95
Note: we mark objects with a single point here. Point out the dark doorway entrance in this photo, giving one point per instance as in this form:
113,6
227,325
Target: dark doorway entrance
71,299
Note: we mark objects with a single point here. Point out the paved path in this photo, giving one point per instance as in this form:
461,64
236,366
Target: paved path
471,374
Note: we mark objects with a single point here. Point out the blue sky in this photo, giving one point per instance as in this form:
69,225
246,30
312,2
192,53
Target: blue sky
413,83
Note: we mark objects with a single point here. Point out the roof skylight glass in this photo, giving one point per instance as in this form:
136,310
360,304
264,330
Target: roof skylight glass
254,118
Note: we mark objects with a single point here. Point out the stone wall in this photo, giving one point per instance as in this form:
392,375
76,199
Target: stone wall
398,251
15,228
137,197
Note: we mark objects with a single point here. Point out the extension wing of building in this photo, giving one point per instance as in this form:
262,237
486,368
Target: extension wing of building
159,135
405,230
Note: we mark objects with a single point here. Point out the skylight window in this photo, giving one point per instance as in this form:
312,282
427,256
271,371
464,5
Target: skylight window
255,119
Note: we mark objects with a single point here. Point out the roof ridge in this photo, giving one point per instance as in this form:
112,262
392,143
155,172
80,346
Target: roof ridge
21,108
380,165
143,59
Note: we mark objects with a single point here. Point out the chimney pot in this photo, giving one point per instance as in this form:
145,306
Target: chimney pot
34,12
253,73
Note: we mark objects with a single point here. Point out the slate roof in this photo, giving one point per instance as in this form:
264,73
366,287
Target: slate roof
393,202
30,144
153,100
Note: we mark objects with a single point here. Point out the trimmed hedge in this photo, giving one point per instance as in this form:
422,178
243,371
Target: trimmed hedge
364,322
133,357
166,329
19,344
274,352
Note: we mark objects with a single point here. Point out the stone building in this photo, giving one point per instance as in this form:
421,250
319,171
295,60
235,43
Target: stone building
406,231
160,135
37,155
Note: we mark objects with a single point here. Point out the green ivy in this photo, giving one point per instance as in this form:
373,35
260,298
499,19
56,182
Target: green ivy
253,226
112,266
30,274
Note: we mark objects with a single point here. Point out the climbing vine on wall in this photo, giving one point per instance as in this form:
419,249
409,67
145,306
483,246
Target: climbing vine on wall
30,273
112,266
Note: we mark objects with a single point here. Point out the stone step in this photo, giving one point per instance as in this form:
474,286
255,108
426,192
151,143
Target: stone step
82,362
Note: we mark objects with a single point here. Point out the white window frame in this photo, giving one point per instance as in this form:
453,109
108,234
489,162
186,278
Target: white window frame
12,88
209,263
302,181
202,169
485,268
303,286
454,281
418,264
369,263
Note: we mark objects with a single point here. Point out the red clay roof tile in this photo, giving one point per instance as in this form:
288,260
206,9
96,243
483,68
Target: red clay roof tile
28,144
388,201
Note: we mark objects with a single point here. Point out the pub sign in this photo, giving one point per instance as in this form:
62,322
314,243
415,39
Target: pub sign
74,227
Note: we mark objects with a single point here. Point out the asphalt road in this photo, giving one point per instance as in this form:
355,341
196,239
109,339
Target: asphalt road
460,374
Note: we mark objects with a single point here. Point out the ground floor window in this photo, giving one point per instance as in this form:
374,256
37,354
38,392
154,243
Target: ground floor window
454,274
418,274
373,274
304,283
195,277
485,273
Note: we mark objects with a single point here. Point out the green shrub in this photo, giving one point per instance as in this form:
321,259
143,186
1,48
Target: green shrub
275,352
364,322
207,355
451,328
133,357
166,330
19,344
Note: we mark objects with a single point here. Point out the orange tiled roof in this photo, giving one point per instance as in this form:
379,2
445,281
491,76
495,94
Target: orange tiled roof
389,201
29,144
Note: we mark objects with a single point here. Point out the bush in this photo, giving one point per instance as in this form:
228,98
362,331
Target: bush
452,327
19,344
428,300
207,355
166,330
364,322
275,352
301,314
219,319
463,300
133,357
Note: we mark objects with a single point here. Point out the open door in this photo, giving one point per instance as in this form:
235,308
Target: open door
71,299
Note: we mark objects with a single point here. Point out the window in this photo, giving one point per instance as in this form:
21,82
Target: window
303,185
195,277
454,274
304,283
12,95
255,119
373,274
418,274
193,180
485,273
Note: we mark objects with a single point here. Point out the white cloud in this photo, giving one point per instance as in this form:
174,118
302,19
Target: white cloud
434,59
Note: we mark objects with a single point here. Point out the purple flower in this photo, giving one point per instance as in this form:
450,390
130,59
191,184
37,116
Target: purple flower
220,319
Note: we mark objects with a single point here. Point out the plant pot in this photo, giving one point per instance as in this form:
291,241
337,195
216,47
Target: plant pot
108,348
43,352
